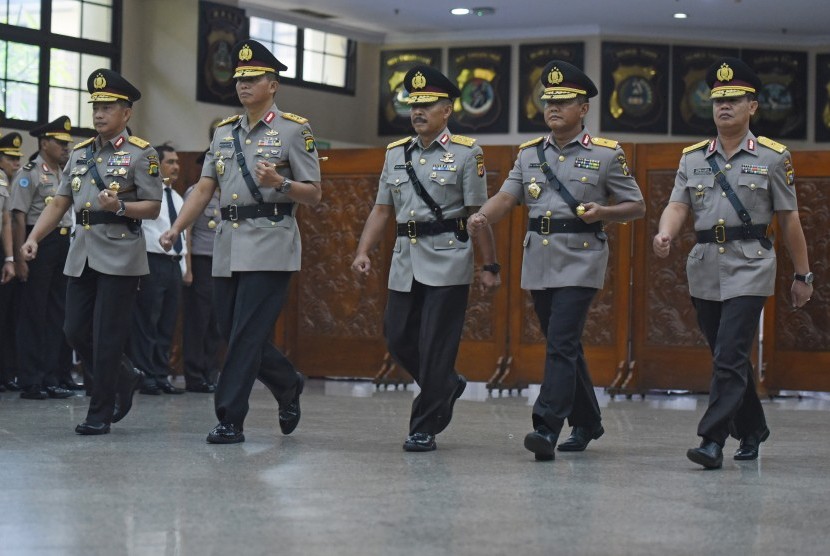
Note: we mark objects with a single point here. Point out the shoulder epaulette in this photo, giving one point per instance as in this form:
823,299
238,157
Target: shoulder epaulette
398,143
770,144
696,146
531,142
83,144
294,118
601,142
229,120
463,140
138,142
31,164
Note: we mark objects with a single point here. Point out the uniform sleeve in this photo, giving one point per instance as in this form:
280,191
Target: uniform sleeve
209,165
782,184
514,184
679,193
620,182
384,196
65,188
474,179
148,187
302,155
23,188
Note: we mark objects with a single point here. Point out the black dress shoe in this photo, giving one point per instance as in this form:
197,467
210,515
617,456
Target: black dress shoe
92,428
459,389
168,388
201,388
709,454
33,393
13,386
58,393
150,389
420,442
580,437
128,380
70,384
542,442
226,433
748,449
289,415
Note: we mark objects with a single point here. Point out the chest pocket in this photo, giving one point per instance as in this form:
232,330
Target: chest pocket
583,185
702,191
224,162
752,189
442,185
395,182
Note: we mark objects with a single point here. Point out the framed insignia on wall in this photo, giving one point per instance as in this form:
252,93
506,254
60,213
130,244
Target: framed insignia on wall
691,107
823,98
393,113
483,76
220,27
635,87
782,110
532,59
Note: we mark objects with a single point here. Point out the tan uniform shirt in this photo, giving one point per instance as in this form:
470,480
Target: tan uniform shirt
115,249
453,174
593,170
762,177
34,186
257,244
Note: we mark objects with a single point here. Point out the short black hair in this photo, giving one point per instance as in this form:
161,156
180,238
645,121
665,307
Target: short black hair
164,149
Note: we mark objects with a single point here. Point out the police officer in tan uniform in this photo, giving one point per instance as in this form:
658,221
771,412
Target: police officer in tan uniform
42,293
112,182
732,185
571,183
10,155
265,164
429,185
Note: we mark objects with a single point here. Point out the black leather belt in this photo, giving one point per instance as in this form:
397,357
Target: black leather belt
431,228
722,234
545,225
88,217
260,210
165,256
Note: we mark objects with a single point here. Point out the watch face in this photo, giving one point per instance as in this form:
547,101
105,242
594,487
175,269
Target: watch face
808,278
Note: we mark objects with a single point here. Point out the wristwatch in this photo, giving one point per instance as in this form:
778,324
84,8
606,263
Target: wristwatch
806,278
494,268
285,186
121,209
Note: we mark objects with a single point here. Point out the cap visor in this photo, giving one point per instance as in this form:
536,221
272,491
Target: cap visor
724,92
559,95
248,73
11,152
60,137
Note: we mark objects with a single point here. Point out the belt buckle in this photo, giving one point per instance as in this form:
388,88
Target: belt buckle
233,213
720,233
411,229
85,218
544,225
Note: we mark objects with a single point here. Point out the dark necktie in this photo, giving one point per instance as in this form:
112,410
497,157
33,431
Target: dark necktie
171,210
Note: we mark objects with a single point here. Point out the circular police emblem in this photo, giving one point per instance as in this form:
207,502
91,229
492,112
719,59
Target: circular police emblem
776,102
477,96
24,182
402,108
636,96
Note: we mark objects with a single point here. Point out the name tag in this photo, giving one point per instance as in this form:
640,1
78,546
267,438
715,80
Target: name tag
225,144
535,165
400,166
754,169
702,171
587,163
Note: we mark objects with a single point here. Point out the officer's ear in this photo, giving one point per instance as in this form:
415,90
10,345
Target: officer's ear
273,86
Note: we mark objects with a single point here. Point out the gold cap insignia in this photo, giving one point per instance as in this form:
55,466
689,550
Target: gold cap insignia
246,53
99,82
67,125
725,73
555,76
16,141
419,81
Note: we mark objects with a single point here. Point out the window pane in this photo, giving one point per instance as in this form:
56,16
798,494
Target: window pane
334,71
101,2
66,17
23,61
313,67
2,58
65,69
21,101
261,29
23,13
286,34
85,117
97,23
90,63
315,40
64,102
288,56
336,44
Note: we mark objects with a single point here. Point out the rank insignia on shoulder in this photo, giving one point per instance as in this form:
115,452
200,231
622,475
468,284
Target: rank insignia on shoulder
294,118
229,120
480,165
83,144
531,142
398,143
696,146
770,144
601,142
138,142
30,165
463,140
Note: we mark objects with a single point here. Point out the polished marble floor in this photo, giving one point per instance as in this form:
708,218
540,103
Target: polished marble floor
341,485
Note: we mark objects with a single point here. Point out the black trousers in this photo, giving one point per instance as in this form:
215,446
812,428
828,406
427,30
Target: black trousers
154,318
423,329
730,328
247,306
41,307
567,390
200,333
98,316
8,345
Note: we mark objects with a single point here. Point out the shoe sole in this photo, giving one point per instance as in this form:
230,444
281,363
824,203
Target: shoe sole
541,447
225,440
91,432
700,459
289,430
565,447
417,448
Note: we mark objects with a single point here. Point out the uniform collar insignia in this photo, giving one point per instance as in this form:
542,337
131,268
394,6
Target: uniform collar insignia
119,142
46,169
586,140
750,145
444,138
269,117
713,144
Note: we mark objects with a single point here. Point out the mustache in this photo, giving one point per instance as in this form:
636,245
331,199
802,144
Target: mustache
419,120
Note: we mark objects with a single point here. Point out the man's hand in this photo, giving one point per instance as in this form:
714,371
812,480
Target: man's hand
108,200
167,239
28,251
490,282
800,293
266,175
187,278
361,264
661,245
7,272
475,223
593,213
